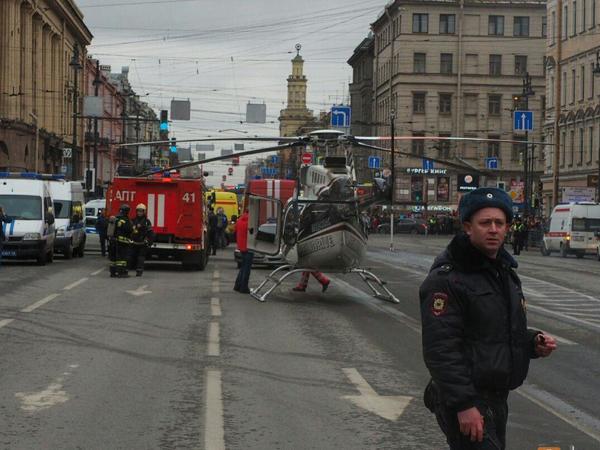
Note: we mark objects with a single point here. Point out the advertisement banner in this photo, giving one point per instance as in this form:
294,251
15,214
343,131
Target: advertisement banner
517,191
443,189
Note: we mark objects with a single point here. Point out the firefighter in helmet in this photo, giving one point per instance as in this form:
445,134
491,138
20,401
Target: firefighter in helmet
142,237
119,234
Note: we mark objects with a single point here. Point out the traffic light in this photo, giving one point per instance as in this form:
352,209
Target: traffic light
173,146
230,171
164,121
224,177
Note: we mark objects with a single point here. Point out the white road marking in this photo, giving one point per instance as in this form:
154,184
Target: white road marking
388,407
215,307
216,275
74,285
140,291
53,395
214,426
214,337
97,272
5,322
216,287
42,302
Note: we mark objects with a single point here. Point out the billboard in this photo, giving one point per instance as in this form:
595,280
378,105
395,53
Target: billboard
93,106
256,113
180,109
517,191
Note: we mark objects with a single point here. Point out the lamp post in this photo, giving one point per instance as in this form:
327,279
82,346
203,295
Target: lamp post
528,171
393,175
76,65
596,72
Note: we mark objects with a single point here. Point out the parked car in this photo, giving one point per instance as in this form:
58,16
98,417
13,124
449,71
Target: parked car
411,226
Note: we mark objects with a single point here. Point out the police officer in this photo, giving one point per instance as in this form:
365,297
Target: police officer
142,237
476,343
120,230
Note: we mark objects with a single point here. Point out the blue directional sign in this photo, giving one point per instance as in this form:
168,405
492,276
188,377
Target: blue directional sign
340,116
274,159
427,164
523,121
491,163
374,162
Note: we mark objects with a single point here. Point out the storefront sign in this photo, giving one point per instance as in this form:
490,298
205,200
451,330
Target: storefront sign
467,182
421,171
578,194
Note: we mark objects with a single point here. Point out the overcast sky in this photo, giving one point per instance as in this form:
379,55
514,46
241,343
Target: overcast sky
223,53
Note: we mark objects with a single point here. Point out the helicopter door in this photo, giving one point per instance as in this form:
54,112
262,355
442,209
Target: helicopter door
264,225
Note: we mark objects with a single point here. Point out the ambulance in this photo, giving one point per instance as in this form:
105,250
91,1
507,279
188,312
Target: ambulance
177,211
26,200
573,229
228,201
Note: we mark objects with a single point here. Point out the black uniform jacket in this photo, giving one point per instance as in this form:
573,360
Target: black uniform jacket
142,230
475,334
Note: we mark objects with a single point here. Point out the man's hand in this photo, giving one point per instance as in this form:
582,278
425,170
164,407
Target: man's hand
544,345
471,424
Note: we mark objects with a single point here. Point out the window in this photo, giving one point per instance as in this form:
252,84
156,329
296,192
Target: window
553,29
565,26
471,104
493,148
495,65
419,102
583,14
572,148
591,142
544,26
419,63
563,93
494,104
580,159
445,103
582,84
520,64
573,85
592,81
446,63
496,25
574,32
420,23
518,149
444,146
593,14
521,26
447,24
418,146
563,143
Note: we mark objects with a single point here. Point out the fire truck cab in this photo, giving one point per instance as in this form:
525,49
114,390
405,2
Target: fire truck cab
177,211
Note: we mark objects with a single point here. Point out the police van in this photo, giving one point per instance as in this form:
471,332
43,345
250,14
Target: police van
573,229
26,200
68,199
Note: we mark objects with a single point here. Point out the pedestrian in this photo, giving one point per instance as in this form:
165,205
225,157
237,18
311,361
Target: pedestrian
303,283
119,232
518,232
476,343
4,219
142,237
212,231
222,223
101,229
241,238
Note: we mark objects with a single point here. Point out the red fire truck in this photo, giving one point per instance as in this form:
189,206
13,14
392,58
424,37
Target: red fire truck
177,210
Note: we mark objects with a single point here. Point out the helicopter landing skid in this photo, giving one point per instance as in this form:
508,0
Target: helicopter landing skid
275,278
373,281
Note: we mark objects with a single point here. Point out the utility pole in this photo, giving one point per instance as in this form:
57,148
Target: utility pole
75,64
392,176
528,171
557,100
596,72
96,89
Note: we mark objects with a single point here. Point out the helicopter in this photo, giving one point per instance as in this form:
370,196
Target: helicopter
319,228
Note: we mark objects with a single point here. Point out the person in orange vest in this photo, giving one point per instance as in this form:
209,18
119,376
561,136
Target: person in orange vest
241,237
303,283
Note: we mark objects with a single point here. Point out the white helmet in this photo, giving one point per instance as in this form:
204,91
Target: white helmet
141,206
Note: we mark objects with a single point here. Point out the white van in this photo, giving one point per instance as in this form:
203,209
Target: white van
26,200
92,208
67,197
572,230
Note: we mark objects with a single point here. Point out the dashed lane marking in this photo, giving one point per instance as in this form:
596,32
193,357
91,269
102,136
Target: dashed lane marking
215,307
214,426
37,304
97,272
5,322
216,287
216,275
74,285
214,338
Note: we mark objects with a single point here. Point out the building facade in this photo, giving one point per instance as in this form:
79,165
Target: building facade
456,68
572,123
42,51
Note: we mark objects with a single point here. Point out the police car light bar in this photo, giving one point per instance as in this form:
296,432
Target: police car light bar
32,176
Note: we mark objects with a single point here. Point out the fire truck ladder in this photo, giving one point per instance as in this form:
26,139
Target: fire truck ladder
277,277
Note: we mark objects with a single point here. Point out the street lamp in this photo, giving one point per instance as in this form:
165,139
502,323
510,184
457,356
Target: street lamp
528,171
76,65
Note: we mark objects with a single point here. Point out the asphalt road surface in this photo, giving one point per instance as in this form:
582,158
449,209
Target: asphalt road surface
178,360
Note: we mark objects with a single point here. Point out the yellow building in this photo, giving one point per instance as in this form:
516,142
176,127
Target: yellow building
38,39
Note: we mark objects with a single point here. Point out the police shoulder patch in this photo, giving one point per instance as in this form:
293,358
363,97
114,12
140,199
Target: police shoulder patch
439,303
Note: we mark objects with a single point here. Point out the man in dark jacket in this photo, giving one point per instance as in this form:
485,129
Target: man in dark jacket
212,231
101,229
142,237
4,219
476,343
120,230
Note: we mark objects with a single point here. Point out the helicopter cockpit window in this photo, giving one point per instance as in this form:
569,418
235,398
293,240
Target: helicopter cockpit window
264,224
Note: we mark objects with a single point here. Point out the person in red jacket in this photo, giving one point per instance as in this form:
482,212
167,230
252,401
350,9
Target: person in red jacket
241,237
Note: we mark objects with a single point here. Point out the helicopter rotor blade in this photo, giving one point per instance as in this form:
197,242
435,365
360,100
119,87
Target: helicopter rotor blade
223,139
440,161
257,151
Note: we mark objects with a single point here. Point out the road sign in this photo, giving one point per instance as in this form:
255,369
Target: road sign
427,164
67,152
523,121
340,116
374,162
491,163
307,158
274,159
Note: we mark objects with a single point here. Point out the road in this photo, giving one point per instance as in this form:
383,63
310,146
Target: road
176,359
